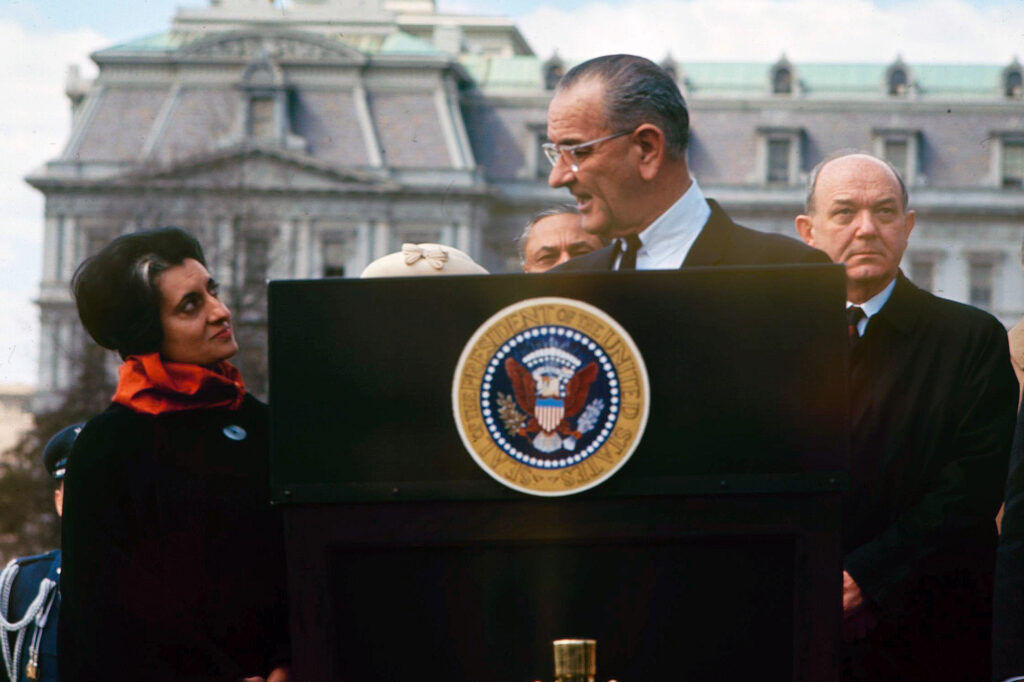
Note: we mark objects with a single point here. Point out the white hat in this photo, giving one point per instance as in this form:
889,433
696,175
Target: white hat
415,260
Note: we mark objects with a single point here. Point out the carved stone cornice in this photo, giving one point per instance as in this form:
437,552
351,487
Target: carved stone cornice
281,46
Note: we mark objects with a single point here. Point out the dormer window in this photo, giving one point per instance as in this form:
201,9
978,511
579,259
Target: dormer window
1013,81
782,77
782,82
780,155
554,69
898,83
900,147
266,104
668,65
261,117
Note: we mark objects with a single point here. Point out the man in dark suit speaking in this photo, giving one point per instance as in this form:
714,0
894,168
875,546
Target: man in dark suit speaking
618,129
932,398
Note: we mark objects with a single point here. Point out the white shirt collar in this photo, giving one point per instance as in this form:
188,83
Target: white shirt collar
873,305
666,241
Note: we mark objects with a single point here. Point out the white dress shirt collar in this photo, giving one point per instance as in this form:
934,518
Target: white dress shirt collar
872,306
666,242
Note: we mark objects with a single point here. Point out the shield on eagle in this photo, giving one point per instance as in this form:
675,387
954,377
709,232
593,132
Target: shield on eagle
549,413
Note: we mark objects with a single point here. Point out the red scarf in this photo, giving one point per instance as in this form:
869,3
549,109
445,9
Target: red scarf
150,385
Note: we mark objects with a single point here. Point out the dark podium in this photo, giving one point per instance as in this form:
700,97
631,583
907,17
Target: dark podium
712,554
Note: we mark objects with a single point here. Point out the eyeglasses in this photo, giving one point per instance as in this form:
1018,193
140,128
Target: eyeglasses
554,151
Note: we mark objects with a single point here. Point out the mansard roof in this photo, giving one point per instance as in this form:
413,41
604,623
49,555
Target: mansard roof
823,79
353,47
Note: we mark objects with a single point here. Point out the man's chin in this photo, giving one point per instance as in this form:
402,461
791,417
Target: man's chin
592,224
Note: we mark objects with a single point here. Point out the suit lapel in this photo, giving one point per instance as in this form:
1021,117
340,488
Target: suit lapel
713,240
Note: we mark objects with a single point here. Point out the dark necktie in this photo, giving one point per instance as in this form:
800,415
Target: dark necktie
854,315
628,261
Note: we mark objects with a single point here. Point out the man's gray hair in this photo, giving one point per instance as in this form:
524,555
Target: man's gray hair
559,209
812,180
637,91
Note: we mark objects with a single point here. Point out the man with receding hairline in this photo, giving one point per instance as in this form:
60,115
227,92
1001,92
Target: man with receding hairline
932,401
618,130
552,237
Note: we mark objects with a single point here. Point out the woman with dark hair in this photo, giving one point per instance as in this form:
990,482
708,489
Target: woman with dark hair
173,557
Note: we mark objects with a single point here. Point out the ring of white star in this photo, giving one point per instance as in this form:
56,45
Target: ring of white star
563,333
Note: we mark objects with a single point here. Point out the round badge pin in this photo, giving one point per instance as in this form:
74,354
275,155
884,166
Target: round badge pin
235,432
551,396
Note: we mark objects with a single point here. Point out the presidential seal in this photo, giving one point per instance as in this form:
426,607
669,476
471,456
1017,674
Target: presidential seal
550,396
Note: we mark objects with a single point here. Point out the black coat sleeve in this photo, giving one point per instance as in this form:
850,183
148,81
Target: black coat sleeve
123,617
962,477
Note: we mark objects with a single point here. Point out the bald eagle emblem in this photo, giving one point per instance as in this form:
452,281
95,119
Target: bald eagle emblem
550,396
550,389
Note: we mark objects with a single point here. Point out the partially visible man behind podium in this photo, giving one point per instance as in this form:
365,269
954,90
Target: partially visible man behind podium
618,129
932,401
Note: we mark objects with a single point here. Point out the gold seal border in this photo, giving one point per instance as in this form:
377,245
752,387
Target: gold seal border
634,396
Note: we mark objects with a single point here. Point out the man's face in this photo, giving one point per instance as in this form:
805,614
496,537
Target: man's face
607,185
859,219
554,240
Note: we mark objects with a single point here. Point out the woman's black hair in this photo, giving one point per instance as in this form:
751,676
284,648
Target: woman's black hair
116,293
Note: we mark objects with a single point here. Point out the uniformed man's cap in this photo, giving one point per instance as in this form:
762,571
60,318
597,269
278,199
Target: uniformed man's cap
55,454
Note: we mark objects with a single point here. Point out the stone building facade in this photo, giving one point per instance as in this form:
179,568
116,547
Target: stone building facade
306,142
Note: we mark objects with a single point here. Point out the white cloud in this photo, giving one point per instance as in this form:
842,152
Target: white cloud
34,125
806,30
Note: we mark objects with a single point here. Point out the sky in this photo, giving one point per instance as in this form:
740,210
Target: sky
39,39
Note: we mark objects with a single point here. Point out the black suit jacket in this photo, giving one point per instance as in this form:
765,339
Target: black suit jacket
932,403
1008,607
721,242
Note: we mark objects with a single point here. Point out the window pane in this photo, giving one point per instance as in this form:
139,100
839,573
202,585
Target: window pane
255,260
542,164
783,83
778,161
922,273
981,285
335,257
896,153
261,117
1013,164
898,82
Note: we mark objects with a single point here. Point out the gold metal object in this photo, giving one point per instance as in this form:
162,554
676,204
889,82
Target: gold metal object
575,660
32,668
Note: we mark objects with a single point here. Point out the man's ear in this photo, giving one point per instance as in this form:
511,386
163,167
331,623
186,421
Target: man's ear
650,140
908,222
805,228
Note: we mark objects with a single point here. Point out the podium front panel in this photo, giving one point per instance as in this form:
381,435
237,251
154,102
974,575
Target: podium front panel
746,378
712,554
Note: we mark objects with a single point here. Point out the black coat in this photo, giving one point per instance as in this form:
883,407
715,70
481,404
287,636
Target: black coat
933,398
720,242
1008,609
173,557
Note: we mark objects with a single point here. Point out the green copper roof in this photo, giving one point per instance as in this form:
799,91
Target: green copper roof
403,43
397,43
725,76
753,78
525,73
509,73
979,79
156,42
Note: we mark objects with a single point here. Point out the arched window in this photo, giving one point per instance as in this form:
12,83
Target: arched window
669,66
782,82
898,82
782,77
554,69
1014,83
